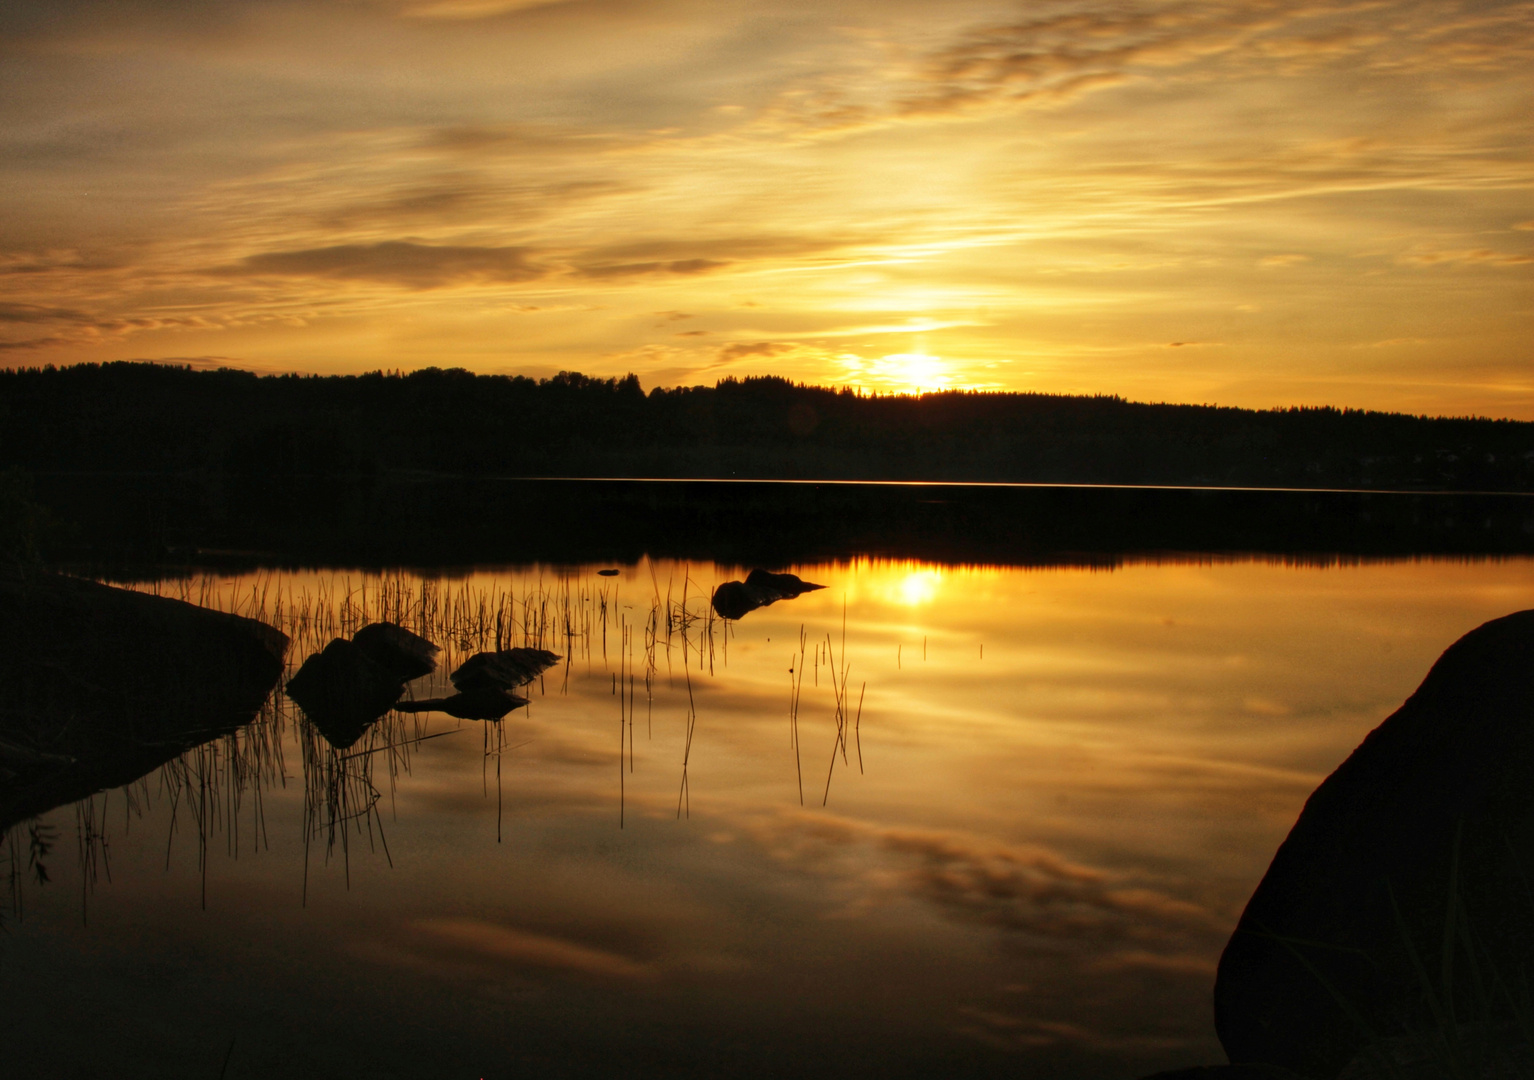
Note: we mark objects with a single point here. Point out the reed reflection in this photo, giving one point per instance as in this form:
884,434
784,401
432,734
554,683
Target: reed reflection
351,710
1070,784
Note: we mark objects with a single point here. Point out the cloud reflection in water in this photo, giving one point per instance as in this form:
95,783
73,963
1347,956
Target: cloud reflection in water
1040,859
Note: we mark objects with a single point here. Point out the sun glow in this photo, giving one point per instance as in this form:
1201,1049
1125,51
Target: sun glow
852,186
918,587
907,373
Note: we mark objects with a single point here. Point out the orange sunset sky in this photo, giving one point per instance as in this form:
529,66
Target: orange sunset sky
1240,201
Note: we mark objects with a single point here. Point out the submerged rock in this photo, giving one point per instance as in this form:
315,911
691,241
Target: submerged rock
504,670
1424,835
736,599
343,690
483,703
399,652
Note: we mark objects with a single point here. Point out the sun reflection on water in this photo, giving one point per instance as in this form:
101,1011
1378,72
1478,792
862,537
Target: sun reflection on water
1078,808
919,587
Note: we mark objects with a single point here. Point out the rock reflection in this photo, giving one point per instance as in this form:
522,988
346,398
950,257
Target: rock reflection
351,707
480,703
1049,847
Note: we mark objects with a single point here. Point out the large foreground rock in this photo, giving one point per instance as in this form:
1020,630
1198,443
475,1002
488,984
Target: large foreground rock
1343,942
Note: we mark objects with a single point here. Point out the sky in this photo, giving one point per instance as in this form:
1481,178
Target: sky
1239,202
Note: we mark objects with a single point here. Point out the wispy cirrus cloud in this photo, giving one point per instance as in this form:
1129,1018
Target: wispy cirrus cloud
1465,256
404,263
702,255
441,201
685,267
949,185
1064,50
68,262
36,313
73,327
472,9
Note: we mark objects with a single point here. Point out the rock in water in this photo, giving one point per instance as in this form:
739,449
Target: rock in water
343,691
1444,786
766,583
736,599
504,670
399,652
733,600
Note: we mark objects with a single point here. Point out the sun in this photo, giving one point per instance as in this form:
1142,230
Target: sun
913,372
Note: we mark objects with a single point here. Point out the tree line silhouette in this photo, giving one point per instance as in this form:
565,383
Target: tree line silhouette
154,418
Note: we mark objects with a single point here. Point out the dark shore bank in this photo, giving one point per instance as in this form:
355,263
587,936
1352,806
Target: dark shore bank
103,684
118,521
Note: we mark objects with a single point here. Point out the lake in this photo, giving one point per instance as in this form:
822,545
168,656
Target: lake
932,819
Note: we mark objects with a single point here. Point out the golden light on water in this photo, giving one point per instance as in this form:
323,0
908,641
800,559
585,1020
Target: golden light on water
919,587
983,802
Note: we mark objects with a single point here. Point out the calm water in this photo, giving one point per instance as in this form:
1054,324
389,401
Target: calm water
1053,792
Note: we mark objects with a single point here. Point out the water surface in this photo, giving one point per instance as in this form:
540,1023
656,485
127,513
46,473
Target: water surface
928,820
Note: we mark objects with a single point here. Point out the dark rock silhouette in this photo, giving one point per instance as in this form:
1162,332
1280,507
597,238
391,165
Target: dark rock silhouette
350,684
607,573
399,652
736,599
104,684
1445,786
481,703
343,690
733,600
504,670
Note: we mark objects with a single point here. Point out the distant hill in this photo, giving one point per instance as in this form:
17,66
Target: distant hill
150,418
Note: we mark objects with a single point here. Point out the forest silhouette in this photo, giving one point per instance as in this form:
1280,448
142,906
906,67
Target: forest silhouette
145,461
139,417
